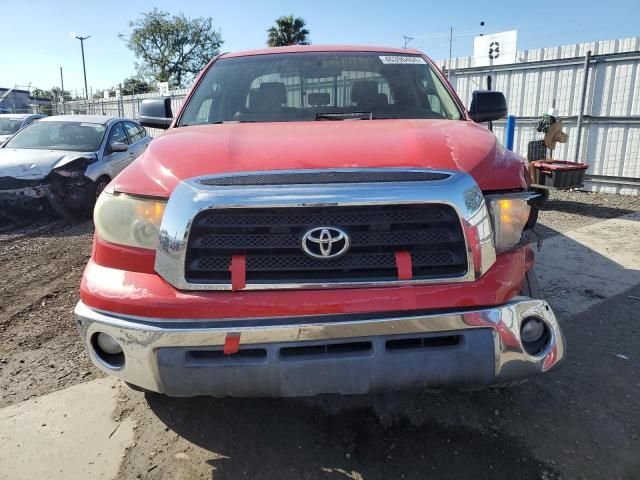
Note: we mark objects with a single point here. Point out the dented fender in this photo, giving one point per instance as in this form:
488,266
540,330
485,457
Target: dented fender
38,164
26,179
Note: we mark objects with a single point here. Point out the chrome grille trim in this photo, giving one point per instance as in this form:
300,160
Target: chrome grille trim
458,190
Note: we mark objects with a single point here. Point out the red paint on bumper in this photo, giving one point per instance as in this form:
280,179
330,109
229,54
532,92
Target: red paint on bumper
145,294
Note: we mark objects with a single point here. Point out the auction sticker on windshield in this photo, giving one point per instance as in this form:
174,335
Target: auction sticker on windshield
401,60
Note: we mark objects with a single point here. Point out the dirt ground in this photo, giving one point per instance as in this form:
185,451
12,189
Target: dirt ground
579,422
41,263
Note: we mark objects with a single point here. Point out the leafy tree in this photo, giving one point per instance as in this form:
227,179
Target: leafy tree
133,85
288,31
172,48
56,92
39,93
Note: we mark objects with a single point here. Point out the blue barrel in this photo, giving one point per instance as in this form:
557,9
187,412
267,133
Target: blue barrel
510,132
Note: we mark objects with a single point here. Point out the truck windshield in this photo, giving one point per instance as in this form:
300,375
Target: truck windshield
52,135
319,86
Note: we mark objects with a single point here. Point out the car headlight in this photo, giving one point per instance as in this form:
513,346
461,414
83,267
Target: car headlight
127,220
72,169
509,215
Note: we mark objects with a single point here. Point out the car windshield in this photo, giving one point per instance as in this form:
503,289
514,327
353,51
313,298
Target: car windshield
9,126
53,135
319,86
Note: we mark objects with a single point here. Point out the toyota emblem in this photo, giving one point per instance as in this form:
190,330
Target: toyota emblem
325,242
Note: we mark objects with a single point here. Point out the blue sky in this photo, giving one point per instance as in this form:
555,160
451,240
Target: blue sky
35,41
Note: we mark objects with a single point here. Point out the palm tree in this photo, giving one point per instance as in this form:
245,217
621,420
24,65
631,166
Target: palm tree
288,31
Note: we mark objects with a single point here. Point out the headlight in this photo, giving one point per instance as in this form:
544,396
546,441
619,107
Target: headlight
72,169
509,215
127,220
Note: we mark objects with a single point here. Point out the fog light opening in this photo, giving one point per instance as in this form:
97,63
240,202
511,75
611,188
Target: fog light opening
108,350
535,335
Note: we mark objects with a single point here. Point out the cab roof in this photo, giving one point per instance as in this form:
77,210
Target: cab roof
324,48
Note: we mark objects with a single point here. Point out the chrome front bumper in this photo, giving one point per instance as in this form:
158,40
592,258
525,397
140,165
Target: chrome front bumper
311,355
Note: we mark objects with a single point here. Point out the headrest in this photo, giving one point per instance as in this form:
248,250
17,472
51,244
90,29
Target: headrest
364,92
276,90
381,99
268,98
317,99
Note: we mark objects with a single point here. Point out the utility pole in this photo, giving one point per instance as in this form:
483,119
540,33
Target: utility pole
121,102
406,40
62,92
84,68
583,99
450,49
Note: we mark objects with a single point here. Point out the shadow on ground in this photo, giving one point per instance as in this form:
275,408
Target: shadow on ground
578,422
335,437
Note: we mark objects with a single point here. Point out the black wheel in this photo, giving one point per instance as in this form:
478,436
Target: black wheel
530,286
94,192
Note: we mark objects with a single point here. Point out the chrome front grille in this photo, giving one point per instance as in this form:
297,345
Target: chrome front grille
439,217
270,239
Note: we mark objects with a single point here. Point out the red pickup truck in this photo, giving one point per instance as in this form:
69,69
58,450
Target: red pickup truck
317,220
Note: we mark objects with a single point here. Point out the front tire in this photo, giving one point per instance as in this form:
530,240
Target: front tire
530,286
94,192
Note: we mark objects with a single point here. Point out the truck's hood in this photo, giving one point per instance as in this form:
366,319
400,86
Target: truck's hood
32,164
187,152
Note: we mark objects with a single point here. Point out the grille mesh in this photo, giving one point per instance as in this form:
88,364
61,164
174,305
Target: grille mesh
324,177
270,238
288,263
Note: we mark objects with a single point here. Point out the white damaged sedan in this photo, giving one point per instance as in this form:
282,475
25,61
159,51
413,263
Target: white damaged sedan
66,161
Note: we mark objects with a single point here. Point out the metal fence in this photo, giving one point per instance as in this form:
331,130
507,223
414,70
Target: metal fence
124,106
610,132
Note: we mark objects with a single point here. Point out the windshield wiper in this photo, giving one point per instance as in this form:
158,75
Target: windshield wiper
344,116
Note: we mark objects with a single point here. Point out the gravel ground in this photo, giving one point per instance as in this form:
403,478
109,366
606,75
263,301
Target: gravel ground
412,434
566,211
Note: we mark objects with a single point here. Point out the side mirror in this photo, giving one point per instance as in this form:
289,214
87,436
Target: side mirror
156,112
487,105
118,147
